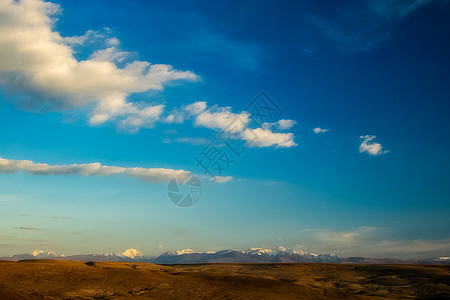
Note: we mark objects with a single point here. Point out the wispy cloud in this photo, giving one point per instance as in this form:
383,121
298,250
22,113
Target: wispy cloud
357,26
208,41
221,179
170,132
194,141
314,229
370,147
372,242
59,217
219,48
25,228
11,197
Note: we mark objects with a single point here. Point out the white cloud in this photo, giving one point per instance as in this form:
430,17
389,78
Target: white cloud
315,229
215,117
38,68
174,118
238,124
221,179
180,114
152,175
371,147
261,137
282,124
221,118
40,72
111,54
137,116
90,37
195,108
286,124
113,41
319,130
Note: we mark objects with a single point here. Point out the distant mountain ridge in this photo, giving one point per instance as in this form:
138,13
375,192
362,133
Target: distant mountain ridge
252,255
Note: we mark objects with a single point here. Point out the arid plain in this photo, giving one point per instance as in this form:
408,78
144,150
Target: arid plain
56,279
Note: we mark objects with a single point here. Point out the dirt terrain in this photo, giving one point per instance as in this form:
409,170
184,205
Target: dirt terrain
53,279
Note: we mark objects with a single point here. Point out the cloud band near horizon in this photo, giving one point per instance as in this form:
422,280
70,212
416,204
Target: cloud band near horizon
151,175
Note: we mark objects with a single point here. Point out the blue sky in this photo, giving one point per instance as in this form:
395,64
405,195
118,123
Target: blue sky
355,163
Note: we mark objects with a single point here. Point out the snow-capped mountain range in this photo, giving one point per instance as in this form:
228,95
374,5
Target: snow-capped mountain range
130,253
44,254
127,255
252,255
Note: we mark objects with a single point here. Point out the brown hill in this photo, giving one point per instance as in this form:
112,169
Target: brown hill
52,279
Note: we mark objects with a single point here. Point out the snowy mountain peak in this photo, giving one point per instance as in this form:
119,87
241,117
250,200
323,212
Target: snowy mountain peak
186,251
281,249
301,252
277,251
259,251
44,254
180,252
132,253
